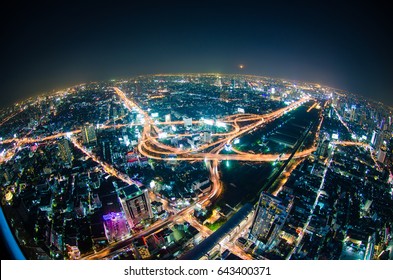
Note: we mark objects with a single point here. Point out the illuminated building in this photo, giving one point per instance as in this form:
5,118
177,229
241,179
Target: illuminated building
200,183
106,149
381,155
73,252
142,248
187,121
114,113
89,134
96,201
207,136
7,175
268,220
352,113
373,138
378,139
323,148
218,82
116,227
168,118
131,158
65,151
136,204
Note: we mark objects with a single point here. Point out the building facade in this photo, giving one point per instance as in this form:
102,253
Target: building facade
136,204
268,220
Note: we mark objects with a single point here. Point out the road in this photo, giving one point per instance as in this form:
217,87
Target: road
150,146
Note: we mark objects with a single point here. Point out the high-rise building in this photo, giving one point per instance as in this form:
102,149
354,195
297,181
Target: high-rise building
218,82
136,204
106,151
114,113
187,121
89,134
373,137
65,151
207,137
352,113
381,155
268,220
378,139
116,227
167,117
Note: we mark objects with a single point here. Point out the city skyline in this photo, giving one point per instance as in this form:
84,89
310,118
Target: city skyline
196,130
198,166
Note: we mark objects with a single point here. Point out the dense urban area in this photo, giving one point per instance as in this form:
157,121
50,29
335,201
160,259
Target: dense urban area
198,166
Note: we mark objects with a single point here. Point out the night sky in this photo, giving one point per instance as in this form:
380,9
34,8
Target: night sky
50,46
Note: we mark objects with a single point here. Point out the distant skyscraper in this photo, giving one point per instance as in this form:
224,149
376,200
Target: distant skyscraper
233,83
268,220
136,204
65,151
352,113
89,134
218,82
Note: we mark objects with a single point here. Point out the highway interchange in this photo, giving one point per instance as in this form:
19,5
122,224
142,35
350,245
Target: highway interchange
150,146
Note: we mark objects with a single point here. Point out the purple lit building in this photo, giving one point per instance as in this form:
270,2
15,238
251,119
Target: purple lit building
116,227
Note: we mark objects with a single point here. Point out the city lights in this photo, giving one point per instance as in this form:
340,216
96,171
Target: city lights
143,174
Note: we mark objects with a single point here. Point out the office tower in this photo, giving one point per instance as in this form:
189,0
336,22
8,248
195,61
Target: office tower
268,220
136,204
89,134
65,151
